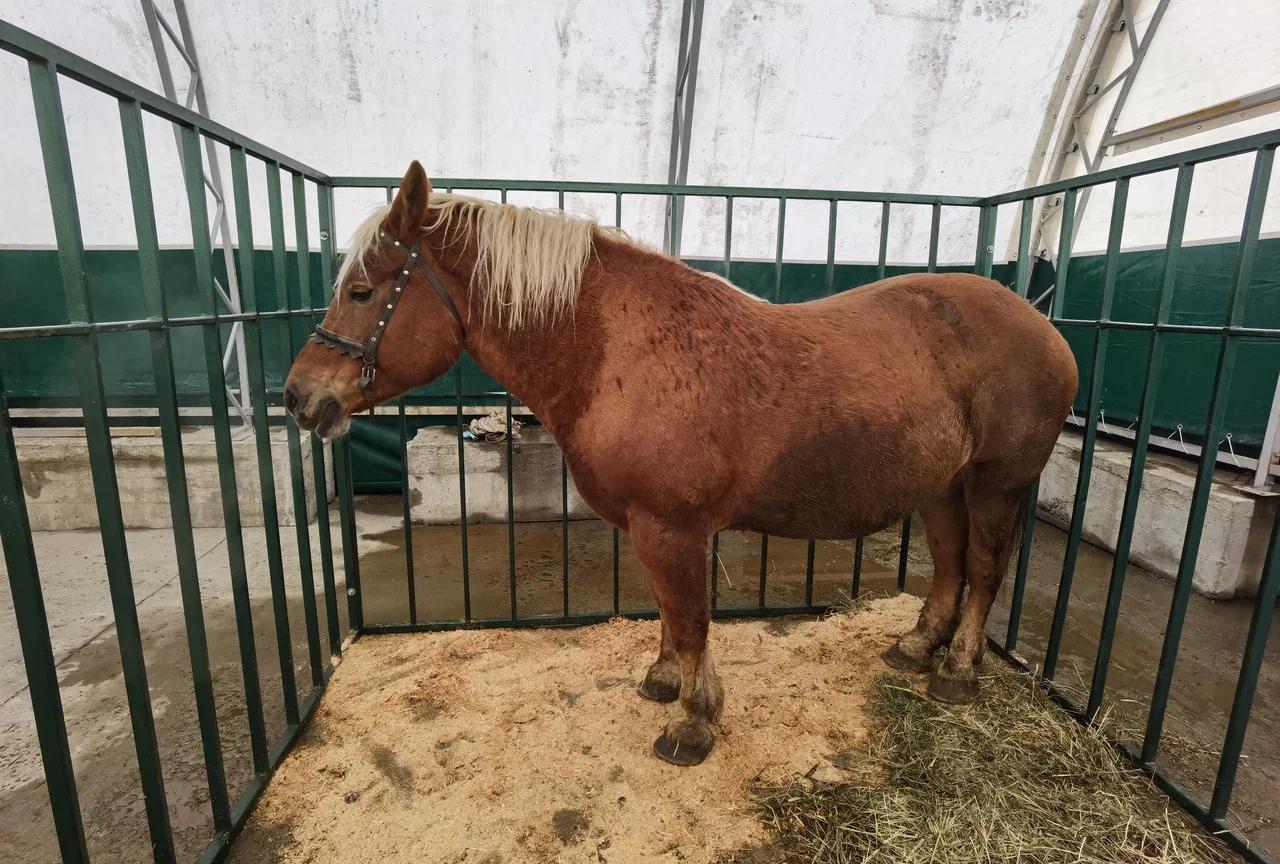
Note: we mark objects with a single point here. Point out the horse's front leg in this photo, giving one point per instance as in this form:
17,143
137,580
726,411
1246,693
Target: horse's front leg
662,682
675,559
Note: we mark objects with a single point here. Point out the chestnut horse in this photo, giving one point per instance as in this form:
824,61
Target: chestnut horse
685,406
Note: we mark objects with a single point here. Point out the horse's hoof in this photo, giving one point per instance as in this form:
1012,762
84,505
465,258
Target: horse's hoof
947,686
659,691
898,660
681,753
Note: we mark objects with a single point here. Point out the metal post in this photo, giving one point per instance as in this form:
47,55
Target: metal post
682,120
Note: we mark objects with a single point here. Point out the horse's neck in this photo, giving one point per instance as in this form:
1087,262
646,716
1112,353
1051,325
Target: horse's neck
553,368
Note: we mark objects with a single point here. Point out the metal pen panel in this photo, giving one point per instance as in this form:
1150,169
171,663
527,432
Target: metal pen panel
289,335
462,501
983,257
1264,607
37,651
1093,399
1137,466
66,224
1020,573
253,297
1227,351
311,295
324,207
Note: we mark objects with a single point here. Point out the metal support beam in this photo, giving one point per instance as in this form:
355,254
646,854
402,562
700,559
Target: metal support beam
682,120
220,237
1074,128
1245,107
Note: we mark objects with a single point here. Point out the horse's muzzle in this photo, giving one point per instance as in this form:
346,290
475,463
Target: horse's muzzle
312,411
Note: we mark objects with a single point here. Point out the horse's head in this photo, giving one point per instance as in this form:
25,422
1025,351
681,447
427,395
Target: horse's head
392,324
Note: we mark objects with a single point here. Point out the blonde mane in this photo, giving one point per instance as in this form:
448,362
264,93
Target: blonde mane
528,261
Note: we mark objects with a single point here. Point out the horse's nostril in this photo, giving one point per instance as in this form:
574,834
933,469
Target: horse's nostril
290,398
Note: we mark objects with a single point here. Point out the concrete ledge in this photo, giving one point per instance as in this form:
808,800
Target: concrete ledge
1236,527
535,478
59,487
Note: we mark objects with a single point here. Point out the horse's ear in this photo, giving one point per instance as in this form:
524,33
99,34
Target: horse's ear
409,209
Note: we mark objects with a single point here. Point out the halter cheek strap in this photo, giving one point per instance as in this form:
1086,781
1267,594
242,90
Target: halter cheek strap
367,351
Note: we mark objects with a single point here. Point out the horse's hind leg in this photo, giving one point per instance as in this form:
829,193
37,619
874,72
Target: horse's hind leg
994,503
662,682
675,559
946,522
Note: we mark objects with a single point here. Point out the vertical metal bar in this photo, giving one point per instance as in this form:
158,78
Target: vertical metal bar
564,501
1209,455
617,564
324,206
310,294
1022,279
715,570
935,225
1020,574
37,651
855,583
808,573
983,258
883,257
167,403
462,499
302,533
66,223
406,515
764,569
777,258
617,587
252,299
175,476
1093,398
903,548
831,246
728,233
298,334
1066,232
511,513
1255,647
1137,464
342,478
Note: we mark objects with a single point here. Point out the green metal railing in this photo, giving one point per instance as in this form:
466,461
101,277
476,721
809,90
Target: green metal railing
300,295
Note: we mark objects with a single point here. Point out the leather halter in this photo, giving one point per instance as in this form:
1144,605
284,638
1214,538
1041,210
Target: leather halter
367,351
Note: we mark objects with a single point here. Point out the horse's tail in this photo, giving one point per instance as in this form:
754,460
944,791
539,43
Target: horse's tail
1013,535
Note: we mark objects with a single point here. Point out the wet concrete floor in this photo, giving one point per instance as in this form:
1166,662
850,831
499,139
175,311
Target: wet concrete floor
97,718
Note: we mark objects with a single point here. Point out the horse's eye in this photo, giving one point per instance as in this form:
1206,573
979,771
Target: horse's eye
361,293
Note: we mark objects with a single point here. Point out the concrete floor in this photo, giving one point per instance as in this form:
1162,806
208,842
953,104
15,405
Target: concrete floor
93,697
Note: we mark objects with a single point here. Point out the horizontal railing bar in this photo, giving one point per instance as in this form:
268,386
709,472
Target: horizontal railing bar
1212,152
1208,329
585,618
602,188
80,328
32,47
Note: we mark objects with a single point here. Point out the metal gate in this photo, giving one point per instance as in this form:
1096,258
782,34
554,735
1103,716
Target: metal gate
274,310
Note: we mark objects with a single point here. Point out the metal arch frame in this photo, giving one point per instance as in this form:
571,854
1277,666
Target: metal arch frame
184,43
682,120
1071,138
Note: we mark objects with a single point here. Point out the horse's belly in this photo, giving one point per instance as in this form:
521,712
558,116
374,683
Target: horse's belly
848,482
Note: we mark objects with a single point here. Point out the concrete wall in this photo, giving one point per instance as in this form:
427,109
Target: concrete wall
59,487
433,479
1236,526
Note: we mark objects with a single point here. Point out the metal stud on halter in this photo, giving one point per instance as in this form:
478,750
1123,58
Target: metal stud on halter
367,351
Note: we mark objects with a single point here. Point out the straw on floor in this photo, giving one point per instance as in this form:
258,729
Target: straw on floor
1008,778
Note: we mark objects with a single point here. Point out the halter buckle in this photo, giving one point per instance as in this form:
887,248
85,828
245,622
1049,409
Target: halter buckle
367,373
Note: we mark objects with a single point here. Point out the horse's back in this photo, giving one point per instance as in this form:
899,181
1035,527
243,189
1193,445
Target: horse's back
905,383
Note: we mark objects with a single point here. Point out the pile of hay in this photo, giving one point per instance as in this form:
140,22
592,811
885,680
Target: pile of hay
1008,778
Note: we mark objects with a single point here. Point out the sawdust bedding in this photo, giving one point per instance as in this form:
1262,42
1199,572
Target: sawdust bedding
533,745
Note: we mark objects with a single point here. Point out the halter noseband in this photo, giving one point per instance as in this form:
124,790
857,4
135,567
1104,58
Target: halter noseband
367,351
